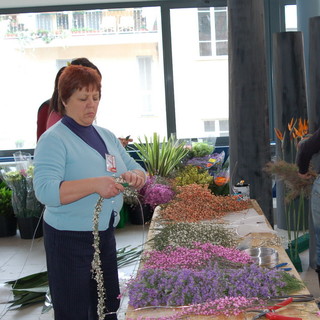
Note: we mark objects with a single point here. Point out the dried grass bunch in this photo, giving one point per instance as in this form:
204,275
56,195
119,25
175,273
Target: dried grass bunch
288,173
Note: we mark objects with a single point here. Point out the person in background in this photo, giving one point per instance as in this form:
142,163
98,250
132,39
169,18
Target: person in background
76,163
307,149
48,113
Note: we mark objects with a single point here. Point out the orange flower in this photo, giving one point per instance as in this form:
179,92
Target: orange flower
279,134
291,124
220,181
297,133
303,127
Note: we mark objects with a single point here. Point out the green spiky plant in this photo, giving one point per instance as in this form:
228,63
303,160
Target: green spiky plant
160,158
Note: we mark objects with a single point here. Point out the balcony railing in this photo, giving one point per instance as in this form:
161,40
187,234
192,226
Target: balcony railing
53,25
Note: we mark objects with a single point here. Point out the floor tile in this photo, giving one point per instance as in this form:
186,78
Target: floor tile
21,257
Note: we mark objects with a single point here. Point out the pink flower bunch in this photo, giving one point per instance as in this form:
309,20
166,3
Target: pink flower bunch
226,306
155,193
201,255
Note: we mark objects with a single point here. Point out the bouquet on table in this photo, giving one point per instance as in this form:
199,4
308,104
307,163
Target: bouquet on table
19,179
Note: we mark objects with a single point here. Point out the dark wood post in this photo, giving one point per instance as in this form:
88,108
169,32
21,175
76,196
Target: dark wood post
248,101
289,82
314,74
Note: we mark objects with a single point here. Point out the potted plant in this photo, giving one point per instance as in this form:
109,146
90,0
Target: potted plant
26,207
160,158
8,221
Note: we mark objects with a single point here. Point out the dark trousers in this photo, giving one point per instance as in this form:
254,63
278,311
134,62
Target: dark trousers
72,288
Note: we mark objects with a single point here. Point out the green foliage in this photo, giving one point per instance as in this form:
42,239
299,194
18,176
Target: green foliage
293,284
5,200
32,289
191,174
200,149
160,158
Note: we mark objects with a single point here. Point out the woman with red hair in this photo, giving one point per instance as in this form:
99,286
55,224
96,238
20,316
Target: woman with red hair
76,163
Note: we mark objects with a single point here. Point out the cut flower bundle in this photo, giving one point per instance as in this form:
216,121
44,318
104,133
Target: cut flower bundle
184,234
180,287
195,202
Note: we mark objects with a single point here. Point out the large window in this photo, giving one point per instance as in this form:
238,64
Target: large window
125,44
144,90
200,81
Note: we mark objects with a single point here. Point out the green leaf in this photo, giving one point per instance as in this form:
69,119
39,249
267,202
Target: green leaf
160,158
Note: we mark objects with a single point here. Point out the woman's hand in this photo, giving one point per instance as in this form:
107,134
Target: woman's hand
135,178
107,187
305,176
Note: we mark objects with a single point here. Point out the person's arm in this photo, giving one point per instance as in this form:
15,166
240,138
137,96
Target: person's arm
42,117
50,184
306,149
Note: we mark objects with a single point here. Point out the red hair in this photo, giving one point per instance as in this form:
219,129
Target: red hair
76,77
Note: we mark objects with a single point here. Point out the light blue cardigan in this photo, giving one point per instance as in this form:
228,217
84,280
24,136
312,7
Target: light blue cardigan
62,155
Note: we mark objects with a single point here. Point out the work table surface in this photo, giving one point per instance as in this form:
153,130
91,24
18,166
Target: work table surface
253,228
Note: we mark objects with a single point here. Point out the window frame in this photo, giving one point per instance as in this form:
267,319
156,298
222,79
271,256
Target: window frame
274,22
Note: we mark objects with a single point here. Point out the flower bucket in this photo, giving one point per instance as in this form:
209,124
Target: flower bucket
30,227
137,217
8,226
303,242
123,217
242,190
295,259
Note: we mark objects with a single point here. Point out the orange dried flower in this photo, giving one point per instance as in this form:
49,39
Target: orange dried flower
195,202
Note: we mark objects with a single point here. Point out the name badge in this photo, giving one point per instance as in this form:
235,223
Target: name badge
111,163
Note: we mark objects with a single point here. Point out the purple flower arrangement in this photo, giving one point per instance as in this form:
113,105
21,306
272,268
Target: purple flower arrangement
155,193
200,162
157,287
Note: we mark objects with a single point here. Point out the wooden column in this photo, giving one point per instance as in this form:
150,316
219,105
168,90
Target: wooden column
289,82
314,74
248,105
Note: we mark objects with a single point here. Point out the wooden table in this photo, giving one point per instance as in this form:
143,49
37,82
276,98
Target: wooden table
303,310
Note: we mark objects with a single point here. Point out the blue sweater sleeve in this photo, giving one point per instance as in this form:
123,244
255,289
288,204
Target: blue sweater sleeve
49,159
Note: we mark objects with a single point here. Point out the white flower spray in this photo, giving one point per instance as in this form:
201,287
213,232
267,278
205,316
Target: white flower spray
97,272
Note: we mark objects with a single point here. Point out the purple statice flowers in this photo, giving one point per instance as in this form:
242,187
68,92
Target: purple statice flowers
155,287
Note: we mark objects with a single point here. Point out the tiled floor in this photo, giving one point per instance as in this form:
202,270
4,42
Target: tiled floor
20,257
23,257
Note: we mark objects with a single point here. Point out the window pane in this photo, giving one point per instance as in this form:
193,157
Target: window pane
205,49
200,85
224,125
204,26
125,44
291,17
209,126
222,48
221,24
